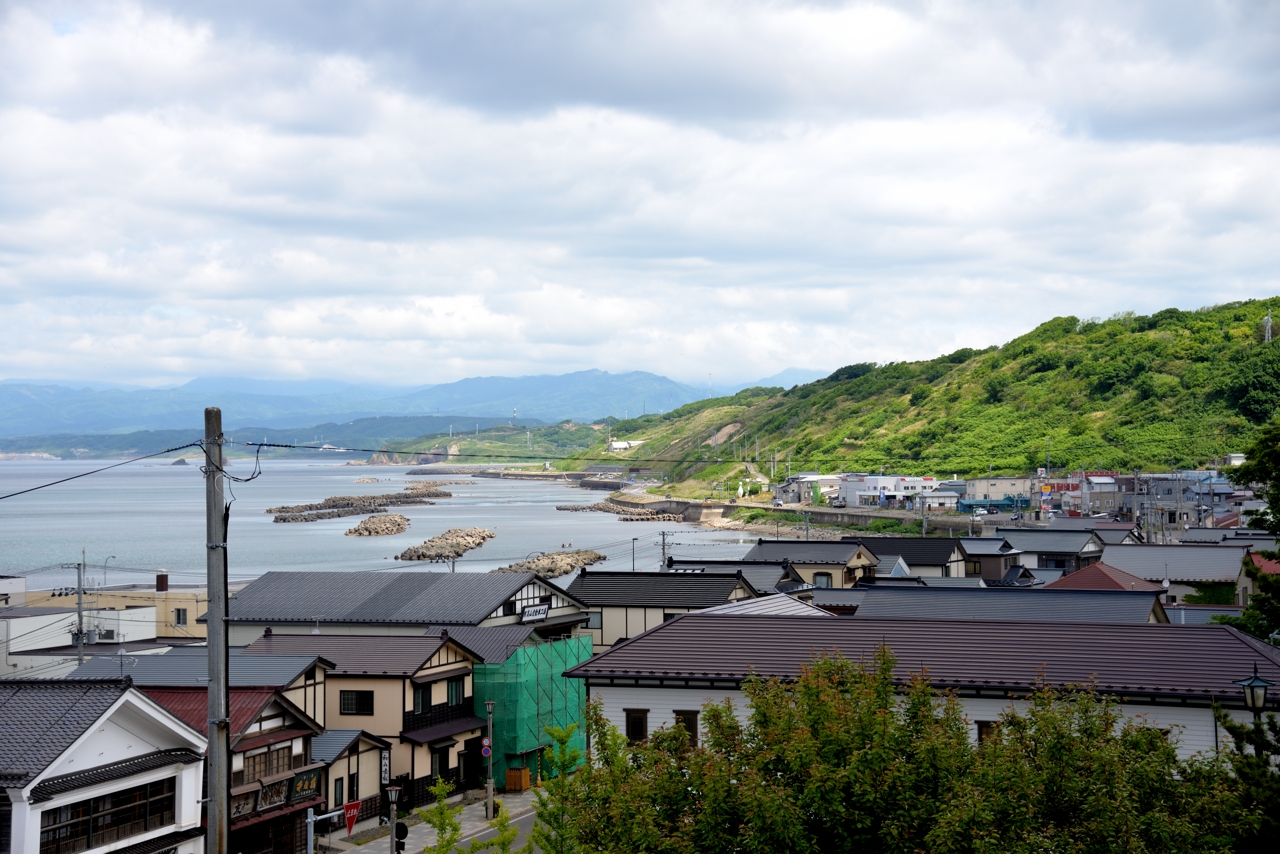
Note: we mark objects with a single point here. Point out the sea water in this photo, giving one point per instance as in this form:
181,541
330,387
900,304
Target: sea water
149,517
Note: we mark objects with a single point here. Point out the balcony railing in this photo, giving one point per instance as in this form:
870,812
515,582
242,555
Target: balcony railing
438,714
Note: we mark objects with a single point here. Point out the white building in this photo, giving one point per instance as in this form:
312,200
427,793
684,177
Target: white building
39,640
870,490
96,766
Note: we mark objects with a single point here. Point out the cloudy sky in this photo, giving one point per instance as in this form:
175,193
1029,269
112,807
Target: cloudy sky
424,191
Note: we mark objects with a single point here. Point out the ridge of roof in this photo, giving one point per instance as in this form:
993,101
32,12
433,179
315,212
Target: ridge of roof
1103,577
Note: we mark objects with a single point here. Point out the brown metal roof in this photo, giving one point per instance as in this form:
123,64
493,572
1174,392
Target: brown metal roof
1148,659
1102,576
356,655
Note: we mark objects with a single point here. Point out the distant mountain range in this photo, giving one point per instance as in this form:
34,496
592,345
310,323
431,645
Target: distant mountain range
34,408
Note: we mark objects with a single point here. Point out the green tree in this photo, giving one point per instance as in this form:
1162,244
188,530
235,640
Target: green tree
1261,617
1257,746
506,835
443,818
553,831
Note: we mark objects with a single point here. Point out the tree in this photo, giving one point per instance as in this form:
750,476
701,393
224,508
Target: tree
1261,616
553,831
1254,762
503,839
443,818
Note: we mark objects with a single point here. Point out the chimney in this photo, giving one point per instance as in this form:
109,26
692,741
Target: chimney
162,583
267,633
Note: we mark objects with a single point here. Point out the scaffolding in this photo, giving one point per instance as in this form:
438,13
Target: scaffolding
530,693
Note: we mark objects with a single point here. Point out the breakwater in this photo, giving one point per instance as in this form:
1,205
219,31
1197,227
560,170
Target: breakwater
450,545
385,525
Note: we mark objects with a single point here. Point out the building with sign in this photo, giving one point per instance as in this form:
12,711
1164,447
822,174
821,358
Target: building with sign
358,766
96,765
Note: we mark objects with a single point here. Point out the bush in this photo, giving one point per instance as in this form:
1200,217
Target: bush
920,394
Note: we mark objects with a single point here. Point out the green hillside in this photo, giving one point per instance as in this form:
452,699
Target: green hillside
1131,392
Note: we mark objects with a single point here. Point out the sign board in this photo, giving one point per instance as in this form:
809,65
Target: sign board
1046,489
243,804
534,613
273,794
386,767
485,741
1040,472
305,785
485,751
350,811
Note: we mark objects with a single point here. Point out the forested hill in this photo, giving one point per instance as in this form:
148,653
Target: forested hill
1132,392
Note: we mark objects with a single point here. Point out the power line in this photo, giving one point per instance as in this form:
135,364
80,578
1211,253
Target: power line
98,471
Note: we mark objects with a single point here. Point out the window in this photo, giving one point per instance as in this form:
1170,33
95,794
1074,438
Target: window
822,579
435,763
268,763
337,792
455,691
421,698
355,702
106,819
353,787
986,729
689,720
666,618
179,616
594,620
637,725
509,609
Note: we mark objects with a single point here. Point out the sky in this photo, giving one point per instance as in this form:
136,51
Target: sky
412,192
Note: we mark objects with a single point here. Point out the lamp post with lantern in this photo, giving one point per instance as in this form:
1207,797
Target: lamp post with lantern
488,748
1255,694
393,795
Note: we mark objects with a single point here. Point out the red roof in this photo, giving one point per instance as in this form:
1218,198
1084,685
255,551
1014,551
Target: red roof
1268,567
1100,576
192,705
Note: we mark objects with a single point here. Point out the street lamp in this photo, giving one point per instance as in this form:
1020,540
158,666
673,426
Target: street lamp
488,785
1255,692
393,795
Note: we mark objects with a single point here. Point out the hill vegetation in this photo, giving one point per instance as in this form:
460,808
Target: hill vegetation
1176,388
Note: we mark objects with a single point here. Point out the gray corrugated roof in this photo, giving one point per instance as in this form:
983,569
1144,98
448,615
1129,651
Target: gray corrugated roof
653,589
1199,615
842,597
762,576
1178,562
423,598
916,551
957,603
1054,542
494,644
989,546
377,655
995,655
803,551
328,745
1112,537
41,718
174,671
775,604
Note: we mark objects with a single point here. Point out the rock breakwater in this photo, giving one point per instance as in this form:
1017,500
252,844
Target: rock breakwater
555,564
452,544
385,525
344,505
626,514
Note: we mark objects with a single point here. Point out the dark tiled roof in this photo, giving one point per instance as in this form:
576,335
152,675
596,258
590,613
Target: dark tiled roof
175,671
1101,576
1051,542
377,655
653,589
1110,537
422,598
995,655
986,546
803,551
493,644
444,730
55,786
916,551
763,576
41,718
163,843
327,746
1003,603
1178,562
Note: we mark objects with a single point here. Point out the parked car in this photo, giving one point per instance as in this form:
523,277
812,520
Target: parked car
777,502
839,502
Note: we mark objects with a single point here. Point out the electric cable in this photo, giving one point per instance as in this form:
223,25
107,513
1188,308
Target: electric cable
98,471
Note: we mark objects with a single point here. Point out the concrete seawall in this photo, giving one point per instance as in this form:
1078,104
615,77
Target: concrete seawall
700,511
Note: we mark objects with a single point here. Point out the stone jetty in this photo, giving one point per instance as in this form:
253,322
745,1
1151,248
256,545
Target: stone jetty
452,544
626,514
344,505
384,525
336,513
555,564
430,488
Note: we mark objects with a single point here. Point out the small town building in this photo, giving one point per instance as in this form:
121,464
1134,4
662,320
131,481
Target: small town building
765,577
1187,568
822,563
353,767
924,557
1102,576
42,639
96,766
1171,675
989,558
1054,549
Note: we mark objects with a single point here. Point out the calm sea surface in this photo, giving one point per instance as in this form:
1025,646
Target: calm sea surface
151,518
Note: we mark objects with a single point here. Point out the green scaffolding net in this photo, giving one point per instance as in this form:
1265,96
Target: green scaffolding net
530,693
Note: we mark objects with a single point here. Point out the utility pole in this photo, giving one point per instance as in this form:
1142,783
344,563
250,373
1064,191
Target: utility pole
664,547
217,838
80,607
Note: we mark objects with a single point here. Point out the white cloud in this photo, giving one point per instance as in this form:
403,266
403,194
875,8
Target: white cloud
681,187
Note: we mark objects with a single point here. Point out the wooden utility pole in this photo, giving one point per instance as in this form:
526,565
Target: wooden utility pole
217,836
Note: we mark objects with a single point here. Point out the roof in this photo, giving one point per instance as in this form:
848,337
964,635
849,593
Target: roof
653,589
1102,576
191,705
1204,535
803,551
54,786
422,598
173,671
1199,615
1267,567
34,611
444,730
376,655
838,597
916,551
491,644
987,547
763,576
774,604
1054,542
995,655
1178,562
1005,603
41,718
328,745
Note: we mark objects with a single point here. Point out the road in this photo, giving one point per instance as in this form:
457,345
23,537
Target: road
525,823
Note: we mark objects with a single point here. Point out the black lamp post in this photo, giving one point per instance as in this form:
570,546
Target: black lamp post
393,795
1255,693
